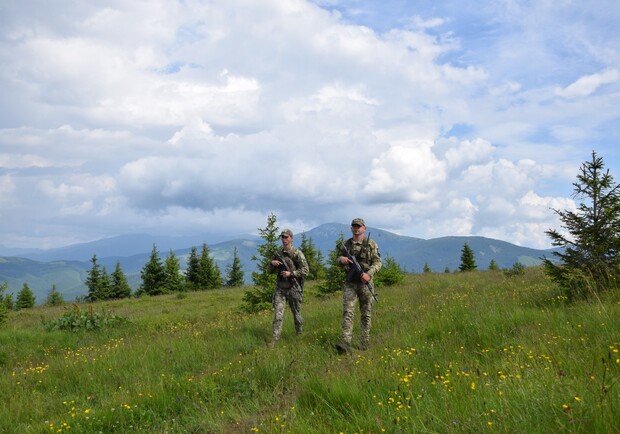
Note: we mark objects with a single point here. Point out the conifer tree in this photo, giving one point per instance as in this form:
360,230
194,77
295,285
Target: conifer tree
493,265
4,314
192,273
259,297
173,280
468,262
152,275
334,274
518,269
427,268
119,287
215,280
25,298
3,287
93,280
206,267
54,298
210,275
4,311
589,259
6,299
313,257
391,273
105,285
320,259
234,271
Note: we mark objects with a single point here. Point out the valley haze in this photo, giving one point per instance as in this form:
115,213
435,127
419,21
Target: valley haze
67,267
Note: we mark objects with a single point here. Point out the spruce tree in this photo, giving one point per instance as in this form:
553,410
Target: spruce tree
215,280
320,259
210,276
25,298
4,314
4,311
173,280
259,296
334,274
589,259
153,276
93,280
234,271
493,265
192,273
54,298
105,285
313,257
427,268
119,287
206,267
391,273
6,299
468,262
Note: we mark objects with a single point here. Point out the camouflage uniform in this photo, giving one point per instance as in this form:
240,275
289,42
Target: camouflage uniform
369,258
286,292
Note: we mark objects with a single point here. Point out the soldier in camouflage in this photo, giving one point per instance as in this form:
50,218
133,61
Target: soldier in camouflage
289,284
366,251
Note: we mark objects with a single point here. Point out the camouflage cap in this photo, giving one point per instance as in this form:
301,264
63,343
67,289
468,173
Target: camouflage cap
358,221
287,232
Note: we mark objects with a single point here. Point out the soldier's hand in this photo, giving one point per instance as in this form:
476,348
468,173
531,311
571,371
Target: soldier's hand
276,263
365,277
344,260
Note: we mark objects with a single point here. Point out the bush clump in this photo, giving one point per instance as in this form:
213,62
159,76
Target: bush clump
75,320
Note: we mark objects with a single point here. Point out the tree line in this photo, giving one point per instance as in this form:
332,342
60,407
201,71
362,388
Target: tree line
164,277
587,264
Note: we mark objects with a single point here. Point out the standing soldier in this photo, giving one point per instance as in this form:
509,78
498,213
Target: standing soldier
357,286
291,267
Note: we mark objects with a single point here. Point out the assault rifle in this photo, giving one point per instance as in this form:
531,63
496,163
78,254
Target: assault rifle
296,284
356,268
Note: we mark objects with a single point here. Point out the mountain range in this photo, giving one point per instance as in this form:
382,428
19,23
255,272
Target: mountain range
67,267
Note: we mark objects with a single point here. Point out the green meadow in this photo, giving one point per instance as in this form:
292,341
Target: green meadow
450,353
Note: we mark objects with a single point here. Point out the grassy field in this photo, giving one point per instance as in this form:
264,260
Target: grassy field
450,353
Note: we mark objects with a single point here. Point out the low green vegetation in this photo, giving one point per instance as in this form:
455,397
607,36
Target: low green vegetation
450,352
75,320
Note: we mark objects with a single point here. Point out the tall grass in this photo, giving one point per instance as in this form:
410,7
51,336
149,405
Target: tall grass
455,353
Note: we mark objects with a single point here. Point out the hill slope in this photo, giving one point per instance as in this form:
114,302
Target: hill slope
449,353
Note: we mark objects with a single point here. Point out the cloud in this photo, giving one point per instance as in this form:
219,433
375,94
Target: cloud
588,84
183,116
405,173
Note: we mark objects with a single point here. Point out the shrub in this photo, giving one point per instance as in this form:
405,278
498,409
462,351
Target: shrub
391,273
518,269
4,314
75,320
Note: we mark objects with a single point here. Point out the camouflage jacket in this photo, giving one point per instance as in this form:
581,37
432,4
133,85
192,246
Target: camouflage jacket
296,262
367,254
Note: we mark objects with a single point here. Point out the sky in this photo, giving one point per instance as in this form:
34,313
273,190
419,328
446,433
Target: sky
425,118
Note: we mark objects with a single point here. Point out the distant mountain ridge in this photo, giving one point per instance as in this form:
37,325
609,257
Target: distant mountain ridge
66,267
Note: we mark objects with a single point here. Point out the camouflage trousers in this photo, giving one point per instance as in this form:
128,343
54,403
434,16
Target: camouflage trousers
280,298
350,293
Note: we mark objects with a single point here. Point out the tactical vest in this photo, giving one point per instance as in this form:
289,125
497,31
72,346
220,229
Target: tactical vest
362,252
290,258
